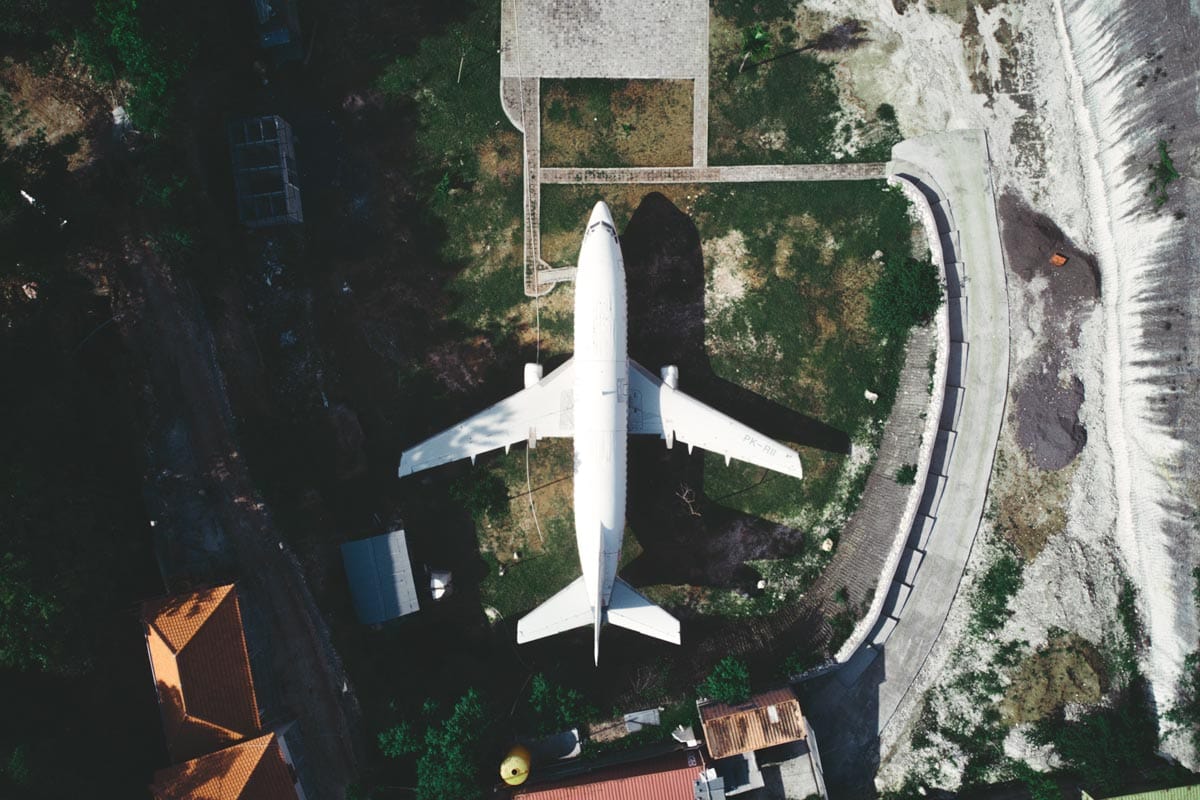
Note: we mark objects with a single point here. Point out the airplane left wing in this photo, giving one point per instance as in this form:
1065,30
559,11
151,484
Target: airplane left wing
542,410
655,407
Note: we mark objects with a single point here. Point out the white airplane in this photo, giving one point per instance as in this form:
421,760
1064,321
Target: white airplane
599,397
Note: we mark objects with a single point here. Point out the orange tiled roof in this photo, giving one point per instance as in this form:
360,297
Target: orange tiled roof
762,721
252,770
672,777
201,669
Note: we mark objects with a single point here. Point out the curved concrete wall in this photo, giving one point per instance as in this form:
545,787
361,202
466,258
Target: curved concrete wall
868,625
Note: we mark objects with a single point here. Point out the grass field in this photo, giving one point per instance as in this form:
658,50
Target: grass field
616,123
781,278
783,104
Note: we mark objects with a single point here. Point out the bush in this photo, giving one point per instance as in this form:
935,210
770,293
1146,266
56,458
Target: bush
989,600
729,682
1164,175
449,767
906,294
906,475
117,46
28,619
744,12
556,708
399,741
1110,747
1185,711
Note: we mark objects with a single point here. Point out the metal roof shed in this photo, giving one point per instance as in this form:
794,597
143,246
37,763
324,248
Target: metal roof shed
264,172
381,577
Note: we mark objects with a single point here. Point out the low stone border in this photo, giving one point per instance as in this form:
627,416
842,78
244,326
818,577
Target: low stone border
868,624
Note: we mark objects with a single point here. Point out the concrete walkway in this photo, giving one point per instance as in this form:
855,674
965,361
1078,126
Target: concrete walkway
544,39
854,705
754,173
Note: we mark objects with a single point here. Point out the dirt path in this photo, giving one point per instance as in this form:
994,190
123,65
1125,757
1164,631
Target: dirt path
212,525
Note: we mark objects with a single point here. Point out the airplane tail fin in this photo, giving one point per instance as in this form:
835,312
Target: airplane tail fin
570,608
573,608
630,610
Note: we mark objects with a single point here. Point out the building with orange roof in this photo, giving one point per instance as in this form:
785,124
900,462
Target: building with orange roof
670,777
201,671
767,732
258,769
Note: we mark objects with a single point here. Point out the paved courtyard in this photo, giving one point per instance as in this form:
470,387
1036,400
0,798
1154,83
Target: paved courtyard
604,39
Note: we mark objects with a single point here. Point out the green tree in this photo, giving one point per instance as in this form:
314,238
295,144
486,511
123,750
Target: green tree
450,764
756,44
555,708
28,618
906,475
906,294
1111,747
399,741
117,45
729,682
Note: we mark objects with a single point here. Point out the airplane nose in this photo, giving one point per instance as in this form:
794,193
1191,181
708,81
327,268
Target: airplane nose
600,213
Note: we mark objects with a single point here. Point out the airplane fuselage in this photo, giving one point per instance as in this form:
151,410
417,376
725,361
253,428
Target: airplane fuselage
601,413
609,397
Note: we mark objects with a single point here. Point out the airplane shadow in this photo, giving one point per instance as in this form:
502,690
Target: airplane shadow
687,537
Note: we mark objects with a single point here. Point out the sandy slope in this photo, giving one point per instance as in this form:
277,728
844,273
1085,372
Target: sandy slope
1055,83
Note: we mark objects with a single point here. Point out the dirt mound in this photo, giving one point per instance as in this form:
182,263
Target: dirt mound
1048,426
1066,284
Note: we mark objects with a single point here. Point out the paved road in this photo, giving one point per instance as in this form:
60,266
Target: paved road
193,450
851,707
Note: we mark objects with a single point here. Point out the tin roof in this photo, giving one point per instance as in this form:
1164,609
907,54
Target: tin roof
381,578
671,777
762,721
252,770
197,650
1172,793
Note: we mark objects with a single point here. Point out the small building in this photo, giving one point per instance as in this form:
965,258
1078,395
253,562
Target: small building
277,26
766,731
381,577
264,172
201,670
257,769
679,775
764,720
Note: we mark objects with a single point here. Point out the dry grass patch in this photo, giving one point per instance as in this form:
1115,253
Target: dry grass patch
1030,504
500,156
62,102
1067,669
616,123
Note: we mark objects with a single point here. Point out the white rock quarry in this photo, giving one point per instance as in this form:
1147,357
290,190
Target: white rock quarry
1078,156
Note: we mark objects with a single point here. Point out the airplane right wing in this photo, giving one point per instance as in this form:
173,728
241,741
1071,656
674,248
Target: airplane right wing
655,407
544,409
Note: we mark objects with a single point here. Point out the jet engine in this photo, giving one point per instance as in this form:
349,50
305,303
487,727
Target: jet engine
533,374
670,375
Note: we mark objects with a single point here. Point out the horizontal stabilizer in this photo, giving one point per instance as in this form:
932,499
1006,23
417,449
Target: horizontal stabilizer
628,609
570,608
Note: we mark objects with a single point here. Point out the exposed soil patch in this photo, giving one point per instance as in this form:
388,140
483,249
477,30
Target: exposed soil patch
1048,426
61,103
1030,504
1030,240
1066,284
1067,670
616,123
